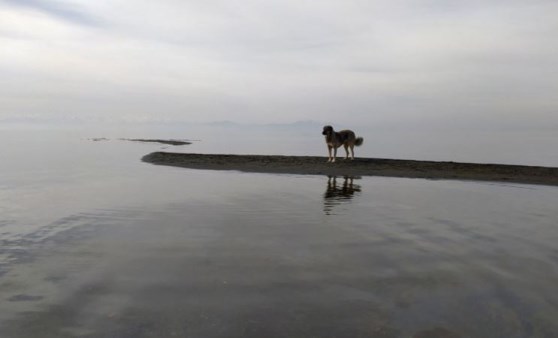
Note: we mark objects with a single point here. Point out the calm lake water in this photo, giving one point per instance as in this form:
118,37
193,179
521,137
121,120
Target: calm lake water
95,243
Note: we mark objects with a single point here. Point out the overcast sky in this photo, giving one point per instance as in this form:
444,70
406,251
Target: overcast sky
476,62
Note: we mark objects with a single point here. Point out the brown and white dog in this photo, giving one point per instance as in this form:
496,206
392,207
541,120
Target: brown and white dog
336,139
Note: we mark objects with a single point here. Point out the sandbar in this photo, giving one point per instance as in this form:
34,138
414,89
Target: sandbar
314,165
169,142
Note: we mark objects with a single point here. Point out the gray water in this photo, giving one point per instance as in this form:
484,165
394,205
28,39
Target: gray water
95,243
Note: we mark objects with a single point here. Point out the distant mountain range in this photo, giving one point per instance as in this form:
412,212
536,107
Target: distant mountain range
61,123
297,124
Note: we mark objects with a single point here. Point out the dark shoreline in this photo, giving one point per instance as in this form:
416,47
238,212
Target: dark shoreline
312,165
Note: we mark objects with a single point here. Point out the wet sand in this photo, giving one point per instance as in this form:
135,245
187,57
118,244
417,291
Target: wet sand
311,165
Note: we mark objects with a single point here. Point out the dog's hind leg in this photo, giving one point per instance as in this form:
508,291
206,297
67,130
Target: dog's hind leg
352,152
334,154
346,146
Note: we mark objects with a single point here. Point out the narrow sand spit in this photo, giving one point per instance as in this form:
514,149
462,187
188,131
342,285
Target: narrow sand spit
169,142
309,165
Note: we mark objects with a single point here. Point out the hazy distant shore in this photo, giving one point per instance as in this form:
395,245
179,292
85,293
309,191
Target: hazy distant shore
310,165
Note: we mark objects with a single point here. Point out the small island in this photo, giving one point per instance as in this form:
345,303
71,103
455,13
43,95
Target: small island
169,142
314,165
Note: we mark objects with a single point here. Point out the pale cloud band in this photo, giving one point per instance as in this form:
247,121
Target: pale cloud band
279,61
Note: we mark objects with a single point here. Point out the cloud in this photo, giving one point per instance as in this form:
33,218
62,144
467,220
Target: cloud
60,10
280,61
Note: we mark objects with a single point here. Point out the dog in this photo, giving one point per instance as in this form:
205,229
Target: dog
335,139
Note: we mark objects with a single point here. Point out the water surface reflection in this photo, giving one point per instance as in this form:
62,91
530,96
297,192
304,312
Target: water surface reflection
337,194
98,244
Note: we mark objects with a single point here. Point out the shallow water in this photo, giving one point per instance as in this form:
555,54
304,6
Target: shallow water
95,243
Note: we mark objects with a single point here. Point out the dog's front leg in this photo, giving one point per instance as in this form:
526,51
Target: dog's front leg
328,153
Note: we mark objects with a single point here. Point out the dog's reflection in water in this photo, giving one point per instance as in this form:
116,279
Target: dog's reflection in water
338,193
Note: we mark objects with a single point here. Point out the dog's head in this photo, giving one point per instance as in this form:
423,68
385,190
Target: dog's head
327,130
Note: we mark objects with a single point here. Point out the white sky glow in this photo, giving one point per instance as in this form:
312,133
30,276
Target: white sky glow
472,63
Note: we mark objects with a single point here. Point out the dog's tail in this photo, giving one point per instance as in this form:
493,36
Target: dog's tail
358,141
